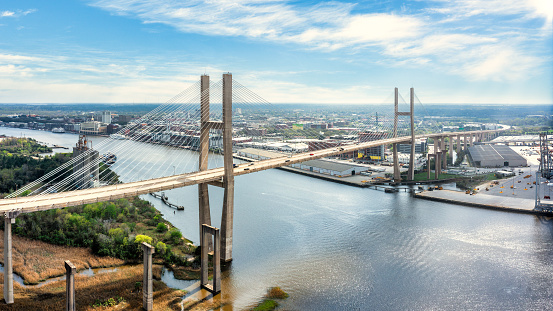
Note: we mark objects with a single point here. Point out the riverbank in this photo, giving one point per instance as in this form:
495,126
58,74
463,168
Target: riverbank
507,204
361,181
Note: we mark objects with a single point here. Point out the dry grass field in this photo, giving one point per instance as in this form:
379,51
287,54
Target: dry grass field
122,286
36,261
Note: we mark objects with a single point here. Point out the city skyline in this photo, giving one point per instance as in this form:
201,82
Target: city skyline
126,51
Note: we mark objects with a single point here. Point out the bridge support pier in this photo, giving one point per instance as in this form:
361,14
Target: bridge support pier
444,153
465,142
9,219
147,284
208,233
70,271
458,144
437,164
450,138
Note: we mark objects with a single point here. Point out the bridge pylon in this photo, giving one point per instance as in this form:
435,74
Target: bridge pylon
227,182
411,114
228,178
203,193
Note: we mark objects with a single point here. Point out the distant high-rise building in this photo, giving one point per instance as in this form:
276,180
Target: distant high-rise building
106,117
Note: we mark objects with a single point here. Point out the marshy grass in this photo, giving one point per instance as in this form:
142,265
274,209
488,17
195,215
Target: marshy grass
269,303
36,261
89,290
276,293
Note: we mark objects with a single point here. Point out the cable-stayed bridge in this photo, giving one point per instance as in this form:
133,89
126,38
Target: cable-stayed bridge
200,119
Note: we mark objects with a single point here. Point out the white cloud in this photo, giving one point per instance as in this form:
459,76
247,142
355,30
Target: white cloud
367,29
16,14
500,63
419,40
7,14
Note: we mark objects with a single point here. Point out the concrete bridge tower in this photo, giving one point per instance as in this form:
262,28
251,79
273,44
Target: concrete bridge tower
411,114
228,179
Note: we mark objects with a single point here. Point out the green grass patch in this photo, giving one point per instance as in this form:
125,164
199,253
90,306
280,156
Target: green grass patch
266,305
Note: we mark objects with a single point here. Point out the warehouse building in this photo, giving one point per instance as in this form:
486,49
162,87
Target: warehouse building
330,168
495,156
259,154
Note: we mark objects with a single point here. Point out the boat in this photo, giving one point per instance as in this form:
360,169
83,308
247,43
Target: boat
108,158
58,130
117,136
165,200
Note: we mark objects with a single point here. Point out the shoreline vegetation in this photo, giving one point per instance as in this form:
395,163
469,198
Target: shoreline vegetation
97,235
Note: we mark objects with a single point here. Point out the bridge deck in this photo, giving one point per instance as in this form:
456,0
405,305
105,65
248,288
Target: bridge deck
106,193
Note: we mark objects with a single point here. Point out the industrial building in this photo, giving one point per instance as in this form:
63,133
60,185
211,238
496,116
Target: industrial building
495,156
330,168
259,154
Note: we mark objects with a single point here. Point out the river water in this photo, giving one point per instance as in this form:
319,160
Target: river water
336,247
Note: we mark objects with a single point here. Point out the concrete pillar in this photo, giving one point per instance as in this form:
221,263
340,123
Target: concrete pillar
465,138
70,271
208,232
437,165
203,193
458,144
428,165
444,154
397,174
147,284
8,265
228,179
411,172
451,148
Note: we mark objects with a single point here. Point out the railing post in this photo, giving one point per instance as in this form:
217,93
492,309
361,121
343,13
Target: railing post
228,179
70,270
147,284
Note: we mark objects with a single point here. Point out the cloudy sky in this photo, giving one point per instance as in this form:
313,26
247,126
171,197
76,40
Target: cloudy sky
146,51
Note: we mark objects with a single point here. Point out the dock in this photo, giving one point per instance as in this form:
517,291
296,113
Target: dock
165,200
507,204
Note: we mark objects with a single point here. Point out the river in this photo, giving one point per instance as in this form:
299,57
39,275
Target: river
337,247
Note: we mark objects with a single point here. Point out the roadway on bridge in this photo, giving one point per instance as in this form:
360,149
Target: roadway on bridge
112,192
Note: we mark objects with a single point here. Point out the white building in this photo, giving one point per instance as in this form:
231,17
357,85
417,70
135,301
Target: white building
106,117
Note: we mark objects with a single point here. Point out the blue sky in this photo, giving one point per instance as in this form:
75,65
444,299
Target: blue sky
125,51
